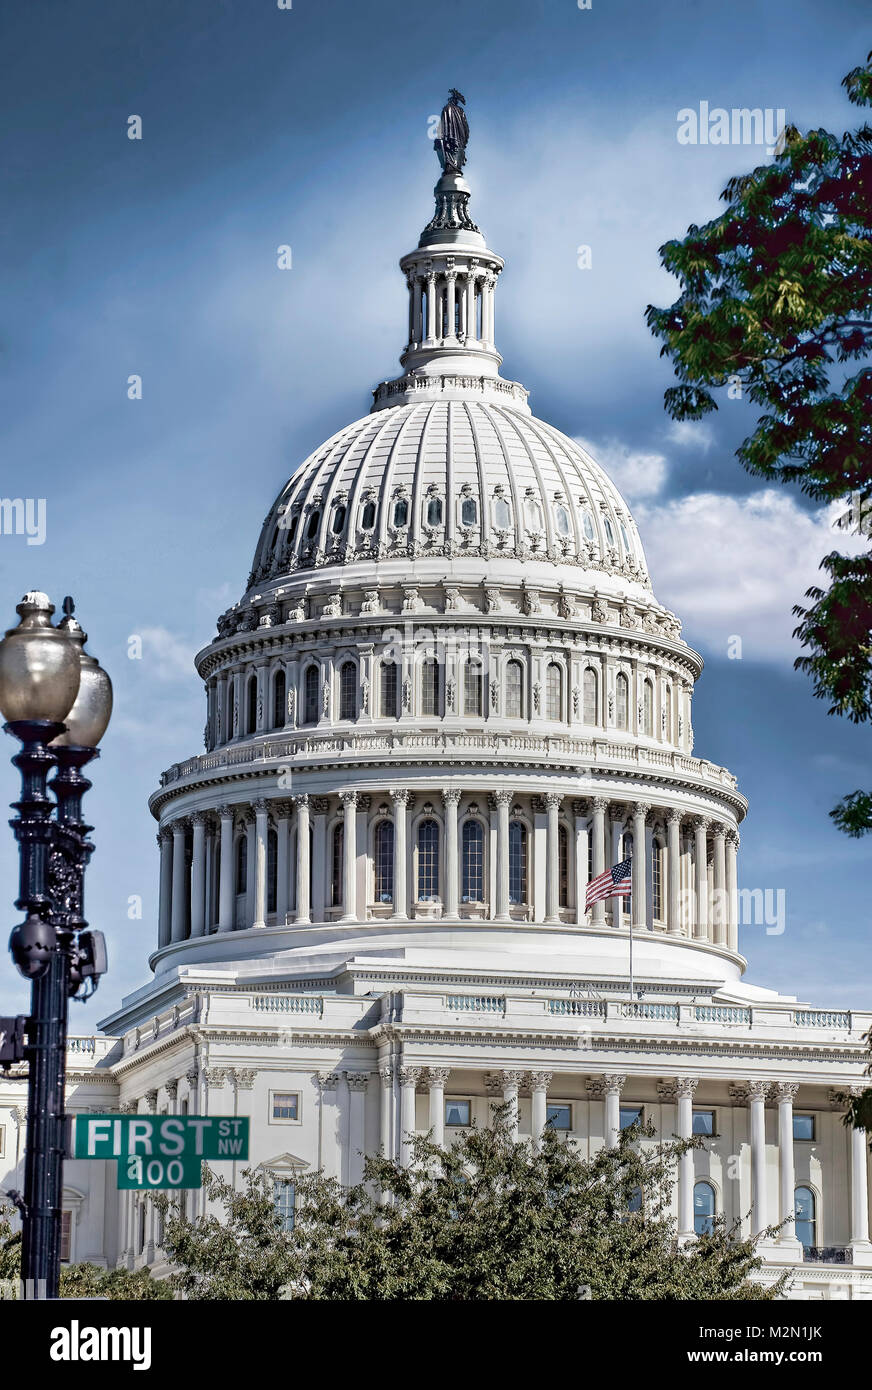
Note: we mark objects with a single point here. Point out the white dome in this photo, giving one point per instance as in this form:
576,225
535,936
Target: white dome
458,477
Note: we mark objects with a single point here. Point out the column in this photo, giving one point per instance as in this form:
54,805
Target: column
448,328
349,856
732,894
303,907
683,1094
757,1100
616,905
198,875
179,886
408,1078
385,1110
579,811
283,835
221,733
598,830
417,333
539,1083
510,1082
331,1148
261,831
859,1191
673,872
319,806
357,1083
436,1079
785,1093
552,873
451,802
503,800
639,900
608,1089
470,305
249,830
165,845
400,799
487,310
431,306
225,886
700,827
719,904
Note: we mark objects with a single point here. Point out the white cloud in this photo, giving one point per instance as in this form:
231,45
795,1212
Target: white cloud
636,474
166,655
735,566
690,434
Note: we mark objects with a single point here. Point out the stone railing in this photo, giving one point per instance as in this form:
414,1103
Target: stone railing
579,1008
476,1003
86,1045
289,1004
659,1012
721,1013
822,1018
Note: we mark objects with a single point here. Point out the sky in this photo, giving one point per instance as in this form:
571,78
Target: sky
311,127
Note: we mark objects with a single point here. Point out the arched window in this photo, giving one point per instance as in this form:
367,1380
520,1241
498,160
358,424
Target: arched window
610,535
292,530
624,537
562,866
657,880
472,883
401,512
278,700
228,721
517,862
589,696
272,869
428,861
502,514
587,525
553,691
242,864
338,522
622,700
310,695
336,866
533,515
703,1208
434,511
251,705
312,528
367,521
805,1216
667,711
430,686
469,512
514,690
390,687
561,517
384,862
473,700
648,708
348,690
627,844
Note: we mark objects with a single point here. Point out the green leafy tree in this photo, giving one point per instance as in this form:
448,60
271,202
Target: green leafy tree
776,307
490,1218
82,1280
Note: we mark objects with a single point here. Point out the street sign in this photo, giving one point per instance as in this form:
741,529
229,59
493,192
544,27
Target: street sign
160,1136
12,1041
138,1172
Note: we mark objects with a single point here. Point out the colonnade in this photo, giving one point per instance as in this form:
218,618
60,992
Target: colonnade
537,853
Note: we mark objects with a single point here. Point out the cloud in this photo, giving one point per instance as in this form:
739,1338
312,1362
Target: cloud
635,473
167,656
690,434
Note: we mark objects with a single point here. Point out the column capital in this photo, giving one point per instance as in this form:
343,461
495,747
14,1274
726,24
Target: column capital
510,1078
348,797
172,1089
215,1076
409,1076
243,1077
540,1080
451,796
225,811
180,825
357,1080
599,1087
719,830
192,1076
681,1088
701,823
260,806
599,803
387,1077
164,836
554,800
437,1076
785,1090
500,798
733,838
329,1080
151,1099
300,801
642,808
400,796
674,817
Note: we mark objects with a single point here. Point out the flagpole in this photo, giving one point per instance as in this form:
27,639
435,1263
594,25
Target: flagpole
632,906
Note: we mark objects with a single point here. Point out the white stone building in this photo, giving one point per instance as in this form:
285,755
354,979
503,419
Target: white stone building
448,697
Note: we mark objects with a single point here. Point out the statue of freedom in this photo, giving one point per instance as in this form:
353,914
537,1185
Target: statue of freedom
453,137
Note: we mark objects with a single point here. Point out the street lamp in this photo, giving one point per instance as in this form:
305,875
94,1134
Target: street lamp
57,701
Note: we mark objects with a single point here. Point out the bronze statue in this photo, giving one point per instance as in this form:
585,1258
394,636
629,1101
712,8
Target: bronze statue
453,134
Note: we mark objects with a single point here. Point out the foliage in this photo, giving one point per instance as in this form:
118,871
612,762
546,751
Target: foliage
776,306
489,1218
83,1280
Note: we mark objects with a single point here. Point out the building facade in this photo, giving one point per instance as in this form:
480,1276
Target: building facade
446,700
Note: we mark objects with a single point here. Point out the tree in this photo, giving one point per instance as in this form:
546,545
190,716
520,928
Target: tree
776,306
83,1280
490,1218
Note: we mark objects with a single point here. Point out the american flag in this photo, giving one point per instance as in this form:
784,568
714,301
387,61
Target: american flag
611,884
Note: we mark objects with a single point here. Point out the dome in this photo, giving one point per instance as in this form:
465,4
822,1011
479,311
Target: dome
450,478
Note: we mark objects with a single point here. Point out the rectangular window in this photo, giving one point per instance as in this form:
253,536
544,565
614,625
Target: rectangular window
703,1122
285,1105
457,1113
389,689
558,1116
284,1201
803,1127
66,1237
631,1114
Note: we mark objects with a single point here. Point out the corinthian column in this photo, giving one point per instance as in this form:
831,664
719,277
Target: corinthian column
719,903
261,832
303,913
539,1083
861,1247
785,1093
503,801
700,851
225,886
349,862
681,1093
282,811
673,873
598,830
165,844
732,896
552,874
639,904
451,801
178,922
400,798
198,875
608,1089
408,1078
436,1079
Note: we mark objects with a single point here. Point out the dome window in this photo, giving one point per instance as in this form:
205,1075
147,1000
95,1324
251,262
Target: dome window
367,521
469,512
624,537
434,511
428,861
587,524
338,522
293,528
314,523
561,516
401,512
502,514
610,535
534,515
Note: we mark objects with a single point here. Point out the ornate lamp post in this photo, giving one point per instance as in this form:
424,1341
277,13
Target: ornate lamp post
57,701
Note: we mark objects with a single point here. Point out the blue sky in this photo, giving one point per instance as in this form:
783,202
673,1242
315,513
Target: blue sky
309,127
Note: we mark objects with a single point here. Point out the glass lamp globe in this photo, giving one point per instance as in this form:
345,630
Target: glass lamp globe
88,719
39,665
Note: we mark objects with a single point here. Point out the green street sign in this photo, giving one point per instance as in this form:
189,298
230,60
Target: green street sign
162,1137
139,1172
